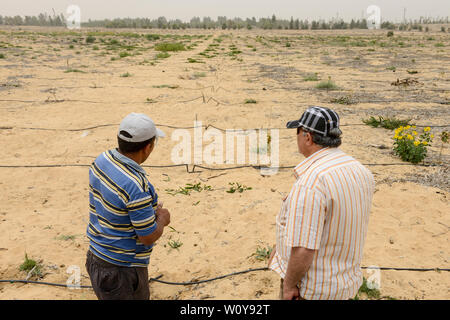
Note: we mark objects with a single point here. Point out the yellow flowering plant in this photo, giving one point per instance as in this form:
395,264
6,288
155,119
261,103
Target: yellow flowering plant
410,145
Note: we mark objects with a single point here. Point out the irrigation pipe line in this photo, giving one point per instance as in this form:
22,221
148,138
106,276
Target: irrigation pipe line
206,127
210,168
211,279
204,100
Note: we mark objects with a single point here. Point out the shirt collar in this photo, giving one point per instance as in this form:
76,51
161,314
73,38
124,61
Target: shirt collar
127,161
305,164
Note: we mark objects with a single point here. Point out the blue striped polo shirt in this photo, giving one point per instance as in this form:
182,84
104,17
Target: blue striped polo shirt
122,205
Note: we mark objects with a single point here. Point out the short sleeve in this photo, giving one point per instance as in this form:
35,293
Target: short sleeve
305,219
142,213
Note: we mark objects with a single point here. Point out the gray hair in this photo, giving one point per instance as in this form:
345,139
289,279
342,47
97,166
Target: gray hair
333,140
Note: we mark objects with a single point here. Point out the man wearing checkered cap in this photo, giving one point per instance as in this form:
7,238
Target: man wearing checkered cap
322,223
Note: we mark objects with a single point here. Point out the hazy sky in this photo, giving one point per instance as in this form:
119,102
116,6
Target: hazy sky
186,9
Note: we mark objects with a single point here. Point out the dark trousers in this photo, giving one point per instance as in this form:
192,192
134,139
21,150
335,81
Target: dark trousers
112,282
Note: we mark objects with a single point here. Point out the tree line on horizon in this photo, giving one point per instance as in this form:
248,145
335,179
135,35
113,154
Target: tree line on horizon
222,22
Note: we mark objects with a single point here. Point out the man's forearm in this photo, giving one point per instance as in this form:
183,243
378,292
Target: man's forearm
155,235
299,263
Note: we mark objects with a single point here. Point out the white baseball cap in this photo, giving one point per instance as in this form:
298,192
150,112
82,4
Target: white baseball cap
139,128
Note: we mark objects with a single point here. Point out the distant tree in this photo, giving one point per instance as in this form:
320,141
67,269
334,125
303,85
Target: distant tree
17,21
162,23
304,25
42,19
297,24
1,19
222,21
363,24
387,25
324,25
291,24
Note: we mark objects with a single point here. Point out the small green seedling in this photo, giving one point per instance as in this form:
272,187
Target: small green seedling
66,237
371,293
236,186
173,229
31,265
189,188
175,244
262,254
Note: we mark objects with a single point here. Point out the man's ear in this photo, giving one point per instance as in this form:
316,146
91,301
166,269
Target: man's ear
309,137
151,146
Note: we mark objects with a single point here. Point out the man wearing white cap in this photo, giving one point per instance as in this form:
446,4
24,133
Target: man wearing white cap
125,218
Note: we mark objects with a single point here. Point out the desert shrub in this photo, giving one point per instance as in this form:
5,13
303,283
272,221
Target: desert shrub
31,265
162,55
327,85
192,60
124,54
90,39
70,70
387,123
197,75
152,37
411,146
390,33
167,46
393,68
311,77
2,56
348,99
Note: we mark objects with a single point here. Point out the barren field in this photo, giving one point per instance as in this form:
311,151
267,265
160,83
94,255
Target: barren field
62,99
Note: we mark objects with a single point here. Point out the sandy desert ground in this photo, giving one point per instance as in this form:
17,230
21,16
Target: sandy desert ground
51,116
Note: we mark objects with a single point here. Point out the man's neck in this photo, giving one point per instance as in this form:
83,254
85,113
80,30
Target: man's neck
133,156
312,150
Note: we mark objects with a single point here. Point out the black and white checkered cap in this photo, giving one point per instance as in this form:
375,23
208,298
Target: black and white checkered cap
317,119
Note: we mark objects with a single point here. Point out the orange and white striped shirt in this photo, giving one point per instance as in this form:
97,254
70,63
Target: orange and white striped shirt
327,210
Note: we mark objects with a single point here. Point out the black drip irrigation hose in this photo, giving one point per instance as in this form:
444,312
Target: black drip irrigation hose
212,279
193,127
211,168
206,280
